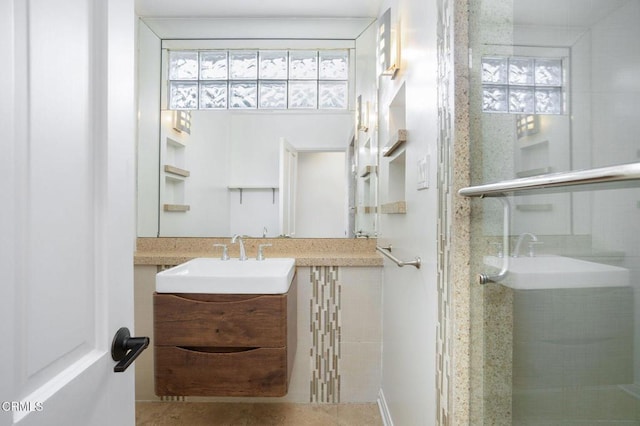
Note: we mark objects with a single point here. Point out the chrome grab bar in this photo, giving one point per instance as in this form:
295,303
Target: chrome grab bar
619,173
387,252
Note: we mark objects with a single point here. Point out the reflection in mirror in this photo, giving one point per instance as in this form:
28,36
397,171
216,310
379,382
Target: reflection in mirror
225,172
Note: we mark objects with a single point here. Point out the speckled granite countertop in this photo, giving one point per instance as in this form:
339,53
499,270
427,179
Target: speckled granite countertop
306,251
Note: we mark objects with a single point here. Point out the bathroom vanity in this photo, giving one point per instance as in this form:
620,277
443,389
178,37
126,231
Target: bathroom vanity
224,344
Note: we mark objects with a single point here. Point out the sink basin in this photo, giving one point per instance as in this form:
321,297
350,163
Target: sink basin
547,272
215,276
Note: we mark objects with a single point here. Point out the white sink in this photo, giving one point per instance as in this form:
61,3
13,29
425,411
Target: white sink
547,272
215,276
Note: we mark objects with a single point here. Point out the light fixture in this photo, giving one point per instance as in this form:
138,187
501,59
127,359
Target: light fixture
388,46
527,125
182,121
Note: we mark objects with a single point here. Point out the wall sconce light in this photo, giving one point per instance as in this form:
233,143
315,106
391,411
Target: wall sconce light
527,125
362,117
182,121
388,46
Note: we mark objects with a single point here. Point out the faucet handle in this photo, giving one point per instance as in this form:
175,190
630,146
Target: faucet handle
225,251
532,247
260,255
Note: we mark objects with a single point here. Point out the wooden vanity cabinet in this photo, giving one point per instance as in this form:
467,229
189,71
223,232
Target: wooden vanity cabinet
224,344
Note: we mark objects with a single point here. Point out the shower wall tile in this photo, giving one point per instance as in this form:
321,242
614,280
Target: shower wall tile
362,305
361,369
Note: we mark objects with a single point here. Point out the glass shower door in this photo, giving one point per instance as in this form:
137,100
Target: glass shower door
555,88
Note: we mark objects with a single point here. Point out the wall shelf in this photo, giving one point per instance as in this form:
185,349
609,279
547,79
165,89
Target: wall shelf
367,170
397,207
534,207
527,145
179,208
366,209
534,172
176,171
396,141
240,187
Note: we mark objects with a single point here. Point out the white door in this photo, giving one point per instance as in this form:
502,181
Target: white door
66,224
287,192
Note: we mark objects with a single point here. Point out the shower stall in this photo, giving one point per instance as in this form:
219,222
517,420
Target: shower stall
554,106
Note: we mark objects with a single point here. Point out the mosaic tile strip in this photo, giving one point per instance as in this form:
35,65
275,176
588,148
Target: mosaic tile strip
324,310
444,334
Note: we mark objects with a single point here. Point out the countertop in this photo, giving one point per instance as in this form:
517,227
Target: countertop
306,251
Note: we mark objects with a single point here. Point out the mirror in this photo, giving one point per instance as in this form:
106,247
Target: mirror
271,173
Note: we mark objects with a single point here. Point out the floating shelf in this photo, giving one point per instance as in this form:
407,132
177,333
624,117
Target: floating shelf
398,207
175,143
367,170
526,145
181,208
534,172
176,171
534,207
366,209
237,187
398,139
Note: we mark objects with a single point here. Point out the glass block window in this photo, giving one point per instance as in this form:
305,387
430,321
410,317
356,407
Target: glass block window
262,79
523,85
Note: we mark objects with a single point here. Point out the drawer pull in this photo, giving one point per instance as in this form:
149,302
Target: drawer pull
216,349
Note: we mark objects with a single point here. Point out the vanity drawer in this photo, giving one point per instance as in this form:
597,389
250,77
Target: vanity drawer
220,320
231,372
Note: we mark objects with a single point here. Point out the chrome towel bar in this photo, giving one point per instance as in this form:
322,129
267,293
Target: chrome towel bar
387,252
619,173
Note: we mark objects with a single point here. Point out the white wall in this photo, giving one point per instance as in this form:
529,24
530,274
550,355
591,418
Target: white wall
241,149
321,192
205,190
410,295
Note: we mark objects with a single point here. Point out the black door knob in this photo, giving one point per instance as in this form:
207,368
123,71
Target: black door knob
126,349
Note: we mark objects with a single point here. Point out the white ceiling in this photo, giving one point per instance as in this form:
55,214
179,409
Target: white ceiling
259,8
202,19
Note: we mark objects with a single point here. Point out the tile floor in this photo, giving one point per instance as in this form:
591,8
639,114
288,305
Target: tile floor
256,414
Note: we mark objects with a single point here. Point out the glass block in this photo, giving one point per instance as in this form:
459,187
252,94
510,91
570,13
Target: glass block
521,71
303,65
243,95
548,72
332,95
494,98
213,95
521,100
334,65
549,100
494,70
213,65
243,65
183,95
183,65
303,94
273,94
273,64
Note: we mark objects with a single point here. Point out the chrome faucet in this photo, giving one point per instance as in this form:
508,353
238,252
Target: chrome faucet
516,250
243,254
